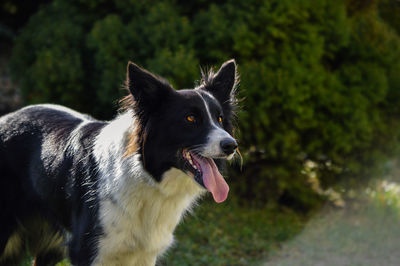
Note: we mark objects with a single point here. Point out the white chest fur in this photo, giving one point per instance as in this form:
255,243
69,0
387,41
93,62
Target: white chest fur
139,225
138,215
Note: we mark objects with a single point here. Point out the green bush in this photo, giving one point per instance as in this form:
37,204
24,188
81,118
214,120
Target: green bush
319,81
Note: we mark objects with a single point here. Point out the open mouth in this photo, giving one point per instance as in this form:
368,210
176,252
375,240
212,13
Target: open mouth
206,173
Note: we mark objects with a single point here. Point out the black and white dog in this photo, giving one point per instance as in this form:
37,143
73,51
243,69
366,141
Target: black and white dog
112,193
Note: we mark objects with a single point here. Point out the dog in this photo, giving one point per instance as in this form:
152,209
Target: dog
112,193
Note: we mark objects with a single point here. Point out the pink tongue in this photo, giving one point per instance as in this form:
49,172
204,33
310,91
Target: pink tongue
213,179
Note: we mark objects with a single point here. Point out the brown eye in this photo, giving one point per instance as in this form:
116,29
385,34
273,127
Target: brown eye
191,118
220,119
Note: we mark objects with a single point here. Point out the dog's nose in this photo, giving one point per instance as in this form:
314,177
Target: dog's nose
228,145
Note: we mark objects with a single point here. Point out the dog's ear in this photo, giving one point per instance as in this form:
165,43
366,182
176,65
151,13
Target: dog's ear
223,83
146,88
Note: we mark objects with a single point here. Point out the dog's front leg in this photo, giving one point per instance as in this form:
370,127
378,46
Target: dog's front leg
85,231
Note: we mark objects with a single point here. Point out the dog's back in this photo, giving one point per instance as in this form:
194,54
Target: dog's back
37,178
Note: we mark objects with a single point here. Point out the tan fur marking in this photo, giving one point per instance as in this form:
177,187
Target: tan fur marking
128,103
132,145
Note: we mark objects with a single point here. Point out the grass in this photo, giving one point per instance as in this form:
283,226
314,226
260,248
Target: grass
228,234
365,232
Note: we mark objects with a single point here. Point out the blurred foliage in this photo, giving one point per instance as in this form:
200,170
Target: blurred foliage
389,10
319,78
14,14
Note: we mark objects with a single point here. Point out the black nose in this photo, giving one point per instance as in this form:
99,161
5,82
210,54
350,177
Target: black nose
228,145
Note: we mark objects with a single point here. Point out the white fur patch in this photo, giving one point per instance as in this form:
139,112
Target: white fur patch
212,148
138,215
211,120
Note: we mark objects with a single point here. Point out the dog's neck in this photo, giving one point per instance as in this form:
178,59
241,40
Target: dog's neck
121,168
131,198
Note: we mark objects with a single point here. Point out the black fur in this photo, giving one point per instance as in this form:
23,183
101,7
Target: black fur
162,109
48,174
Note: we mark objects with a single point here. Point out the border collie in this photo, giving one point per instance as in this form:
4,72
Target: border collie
112,193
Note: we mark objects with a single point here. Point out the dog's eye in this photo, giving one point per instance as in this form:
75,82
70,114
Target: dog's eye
191,118
220,119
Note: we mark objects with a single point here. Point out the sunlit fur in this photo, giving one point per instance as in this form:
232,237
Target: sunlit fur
138,215
109,193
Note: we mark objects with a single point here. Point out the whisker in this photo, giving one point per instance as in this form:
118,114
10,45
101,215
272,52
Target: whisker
194,147
196,152
240,157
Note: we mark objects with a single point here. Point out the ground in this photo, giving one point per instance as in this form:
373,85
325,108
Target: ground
366,231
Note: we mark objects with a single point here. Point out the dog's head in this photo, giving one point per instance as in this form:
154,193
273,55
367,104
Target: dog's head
187,129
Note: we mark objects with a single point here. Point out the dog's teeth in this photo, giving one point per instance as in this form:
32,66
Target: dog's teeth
189,158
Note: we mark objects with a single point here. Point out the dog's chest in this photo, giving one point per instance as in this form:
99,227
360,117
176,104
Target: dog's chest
138,224
147,228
